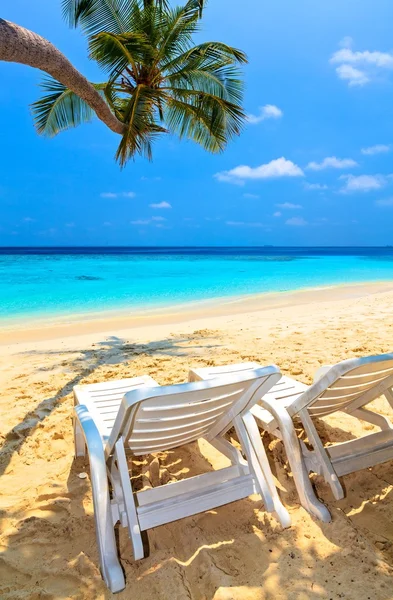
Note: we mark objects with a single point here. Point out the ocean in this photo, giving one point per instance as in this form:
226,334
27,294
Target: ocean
39,282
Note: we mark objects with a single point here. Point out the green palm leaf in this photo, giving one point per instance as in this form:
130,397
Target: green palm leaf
139,115
116,52
60,109
94,16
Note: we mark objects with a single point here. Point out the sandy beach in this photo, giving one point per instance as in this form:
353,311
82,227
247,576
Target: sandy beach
237,552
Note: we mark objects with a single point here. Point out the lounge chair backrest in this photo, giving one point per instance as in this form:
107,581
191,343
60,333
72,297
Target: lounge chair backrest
347,382
156,419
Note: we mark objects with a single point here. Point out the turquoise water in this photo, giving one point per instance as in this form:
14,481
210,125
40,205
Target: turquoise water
46,282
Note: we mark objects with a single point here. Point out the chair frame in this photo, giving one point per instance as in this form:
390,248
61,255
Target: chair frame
334,461
140,511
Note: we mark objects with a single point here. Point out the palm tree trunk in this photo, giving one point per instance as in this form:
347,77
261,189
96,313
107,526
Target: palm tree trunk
23,46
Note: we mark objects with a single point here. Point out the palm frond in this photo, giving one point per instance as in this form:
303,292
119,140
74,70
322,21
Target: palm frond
222,81
114,52
177,29
94,16
60,109
141,127
207,119
208,53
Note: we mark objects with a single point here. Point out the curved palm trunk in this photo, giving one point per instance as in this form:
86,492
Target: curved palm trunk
23,46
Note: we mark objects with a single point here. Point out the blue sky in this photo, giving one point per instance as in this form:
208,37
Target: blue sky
312,167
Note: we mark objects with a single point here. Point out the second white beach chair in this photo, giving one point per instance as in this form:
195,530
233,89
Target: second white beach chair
140,417
347,387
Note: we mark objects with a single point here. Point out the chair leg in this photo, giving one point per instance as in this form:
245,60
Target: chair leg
307,496
129,501
327,468
389,396
248,433
79,440
109,562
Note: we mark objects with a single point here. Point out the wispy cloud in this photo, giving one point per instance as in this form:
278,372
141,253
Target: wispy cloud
385,202
253,196
289,206
117,195
244,224
29,220
162,204
359,68
71,224
296,222
107,224
269,111
377,149
154,221
280,167
362,183
277,214
315,186
354,77
332,162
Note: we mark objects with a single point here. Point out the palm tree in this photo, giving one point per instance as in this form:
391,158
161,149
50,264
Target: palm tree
156,80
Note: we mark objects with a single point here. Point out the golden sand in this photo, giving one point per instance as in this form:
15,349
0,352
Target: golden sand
237,552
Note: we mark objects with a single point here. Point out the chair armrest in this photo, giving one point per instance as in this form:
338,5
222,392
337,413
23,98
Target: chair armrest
110,566
90,431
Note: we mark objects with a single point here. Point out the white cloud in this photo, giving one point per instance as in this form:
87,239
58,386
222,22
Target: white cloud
158,219
332,162
385,202
280,167
107,224
355,77
72,224
117,195
362,183
377,149
315,186
244,224
370,63
296,222
140,222
269,111
28,220
162,204
383,60
254,196
289,206
277,214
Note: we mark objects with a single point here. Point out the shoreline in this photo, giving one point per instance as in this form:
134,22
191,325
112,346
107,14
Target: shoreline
111,321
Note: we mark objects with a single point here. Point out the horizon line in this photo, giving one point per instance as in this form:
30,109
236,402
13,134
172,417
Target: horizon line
194,246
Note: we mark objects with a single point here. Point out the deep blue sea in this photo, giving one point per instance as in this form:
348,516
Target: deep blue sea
36,282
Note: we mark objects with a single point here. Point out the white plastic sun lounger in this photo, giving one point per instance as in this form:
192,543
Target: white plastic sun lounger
138,416
348,387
